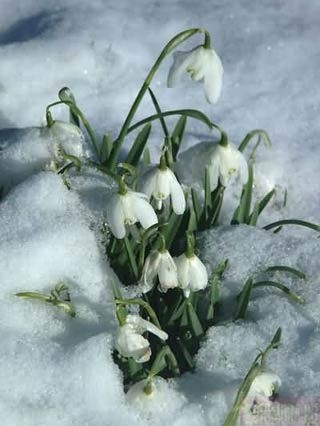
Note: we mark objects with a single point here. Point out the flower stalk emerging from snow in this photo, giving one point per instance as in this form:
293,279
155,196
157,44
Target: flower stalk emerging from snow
129,341
160,183
226,161
127,207
202,64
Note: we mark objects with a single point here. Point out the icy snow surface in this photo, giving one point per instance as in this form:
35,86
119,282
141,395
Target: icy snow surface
58,371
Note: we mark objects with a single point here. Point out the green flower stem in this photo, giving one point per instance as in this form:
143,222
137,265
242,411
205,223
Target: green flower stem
73,107
193,113
190,244
207,40
170,46
144,304
157,366
310,225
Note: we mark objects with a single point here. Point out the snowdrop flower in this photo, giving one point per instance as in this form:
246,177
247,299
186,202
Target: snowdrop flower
126,208
68,136
203,64
159,264
227,161
192,273
129,341
160,182
264,386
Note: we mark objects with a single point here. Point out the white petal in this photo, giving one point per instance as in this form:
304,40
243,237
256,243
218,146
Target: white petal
168,274
141,325
162,188
183,270
177,196
181,60
149,182
214,171
115,216
150,271
265,384
213,77
198,274
131,344
142,210
243,168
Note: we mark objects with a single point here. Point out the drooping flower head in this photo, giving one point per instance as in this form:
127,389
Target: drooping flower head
202,64
227,162
160,183
192,274
127,207
159,264
129,341
66,135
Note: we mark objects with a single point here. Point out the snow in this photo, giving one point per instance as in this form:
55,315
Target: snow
58,370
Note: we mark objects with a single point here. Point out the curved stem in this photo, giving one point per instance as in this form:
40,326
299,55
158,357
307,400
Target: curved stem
170,46
85,122
145,305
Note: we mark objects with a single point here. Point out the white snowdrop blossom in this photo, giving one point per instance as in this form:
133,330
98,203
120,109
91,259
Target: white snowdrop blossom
203,64
68,136
265,385
162,183
159,264
127,209
129,341
192,273
226,162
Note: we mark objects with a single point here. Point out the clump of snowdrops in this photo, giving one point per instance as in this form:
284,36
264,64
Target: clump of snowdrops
153,221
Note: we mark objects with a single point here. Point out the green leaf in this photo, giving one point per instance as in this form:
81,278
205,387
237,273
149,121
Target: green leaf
196,205
170,230
310,225
259,207
177,312
281,287
177,135
116,290
242,213
106,148
194,321
131,257
207,196
138,145
159,112
187,356
244,299
193,113
146,158
216,202
288,269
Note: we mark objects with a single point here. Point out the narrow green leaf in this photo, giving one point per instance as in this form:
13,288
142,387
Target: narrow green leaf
177,135
310,225
253,218
177,312
281,287
159,112
288,269
106,148
207,196
170,230
193,113
138,145
244,299
33,295
246,198
276,338
217,199
146,157
196,205
131,257
194,321
116,290
187,356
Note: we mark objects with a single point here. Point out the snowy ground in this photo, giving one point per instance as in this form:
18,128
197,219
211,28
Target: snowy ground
56,370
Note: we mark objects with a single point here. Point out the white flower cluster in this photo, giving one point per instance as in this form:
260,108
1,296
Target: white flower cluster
187,273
